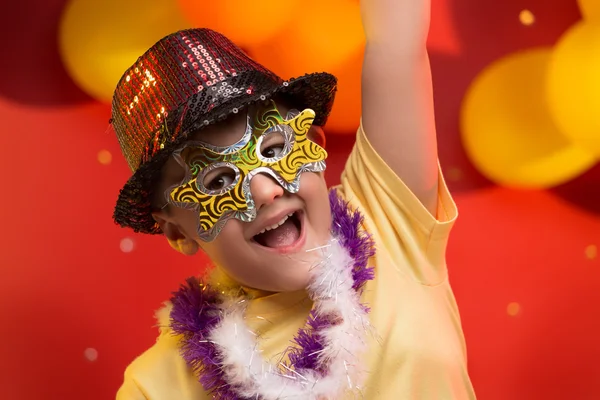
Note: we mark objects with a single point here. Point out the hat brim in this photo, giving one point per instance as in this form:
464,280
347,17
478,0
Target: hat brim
134,204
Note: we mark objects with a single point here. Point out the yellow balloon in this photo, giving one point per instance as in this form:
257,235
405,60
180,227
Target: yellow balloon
507,129
574,85
330,38
316,41
590,9
99,40
247,22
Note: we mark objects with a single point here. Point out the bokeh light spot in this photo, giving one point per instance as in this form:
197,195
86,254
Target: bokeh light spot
513,309
127,245
527,18
104,157
454,174
90,354
591,252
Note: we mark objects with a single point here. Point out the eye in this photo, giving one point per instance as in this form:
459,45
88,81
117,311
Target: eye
219,178
275,144
272,151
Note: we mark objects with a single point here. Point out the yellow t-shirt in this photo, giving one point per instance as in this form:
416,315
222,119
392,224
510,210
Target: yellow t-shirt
419,352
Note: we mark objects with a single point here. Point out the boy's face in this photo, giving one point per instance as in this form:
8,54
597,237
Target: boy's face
268,253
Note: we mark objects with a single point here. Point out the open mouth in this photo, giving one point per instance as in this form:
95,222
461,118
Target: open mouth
284,235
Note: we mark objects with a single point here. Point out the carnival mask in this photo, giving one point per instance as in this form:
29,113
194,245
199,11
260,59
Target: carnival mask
217,182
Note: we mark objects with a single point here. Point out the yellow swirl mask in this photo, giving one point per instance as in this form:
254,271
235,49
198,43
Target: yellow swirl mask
217,182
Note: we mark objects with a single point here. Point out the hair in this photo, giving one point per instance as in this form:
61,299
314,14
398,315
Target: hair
157,194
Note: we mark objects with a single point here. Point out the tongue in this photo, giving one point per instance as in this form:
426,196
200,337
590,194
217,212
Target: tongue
285,235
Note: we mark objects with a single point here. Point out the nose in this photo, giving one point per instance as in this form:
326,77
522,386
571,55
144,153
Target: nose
264,190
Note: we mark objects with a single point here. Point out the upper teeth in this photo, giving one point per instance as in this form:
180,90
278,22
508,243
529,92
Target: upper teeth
277,225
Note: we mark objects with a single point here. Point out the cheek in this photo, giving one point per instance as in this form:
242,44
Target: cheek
186,221
315,194
228,244
313,186
231,253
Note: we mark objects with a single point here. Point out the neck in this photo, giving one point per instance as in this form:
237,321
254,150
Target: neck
219,277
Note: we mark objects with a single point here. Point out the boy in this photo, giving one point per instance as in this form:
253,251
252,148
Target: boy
315,294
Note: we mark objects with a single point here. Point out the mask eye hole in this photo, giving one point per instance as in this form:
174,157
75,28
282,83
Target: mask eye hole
218,178
275,143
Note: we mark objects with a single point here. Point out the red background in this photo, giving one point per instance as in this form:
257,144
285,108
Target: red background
66,286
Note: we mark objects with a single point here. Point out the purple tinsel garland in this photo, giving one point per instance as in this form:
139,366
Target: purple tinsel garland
196,311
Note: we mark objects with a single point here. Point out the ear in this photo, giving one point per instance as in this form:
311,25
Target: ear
317,135
176,238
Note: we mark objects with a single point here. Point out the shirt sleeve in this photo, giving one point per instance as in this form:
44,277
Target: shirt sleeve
413,238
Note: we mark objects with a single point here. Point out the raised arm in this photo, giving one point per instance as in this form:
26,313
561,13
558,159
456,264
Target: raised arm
397,99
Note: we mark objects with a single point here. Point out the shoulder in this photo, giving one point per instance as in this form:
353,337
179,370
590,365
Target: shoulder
164,351
160,372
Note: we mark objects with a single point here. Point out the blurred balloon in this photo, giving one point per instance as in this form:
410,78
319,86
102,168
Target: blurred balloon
43,80
315,41
245,22
574,85
507,129
329,39
590,9
99,40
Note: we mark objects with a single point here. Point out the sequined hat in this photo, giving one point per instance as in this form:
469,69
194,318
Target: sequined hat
186,81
